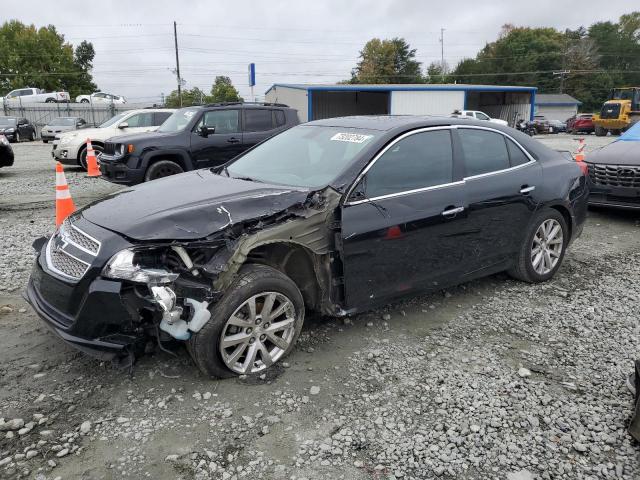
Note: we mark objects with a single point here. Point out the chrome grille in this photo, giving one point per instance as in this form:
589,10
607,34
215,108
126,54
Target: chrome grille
615,175
78,238
66,264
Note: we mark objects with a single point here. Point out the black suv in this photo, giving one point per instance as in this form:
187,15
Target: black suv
192,138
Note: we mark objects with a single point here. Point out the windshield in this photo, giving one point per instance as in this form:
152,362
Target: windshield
63,121
113,120
178,121
7,121
303,156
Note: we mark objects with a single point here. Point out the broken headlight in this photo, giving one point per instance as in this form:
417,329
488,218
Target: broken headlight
126,265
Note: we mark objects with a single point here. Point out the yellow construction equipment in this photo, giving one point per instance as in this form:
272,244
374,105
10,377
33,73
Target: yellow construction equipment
619,112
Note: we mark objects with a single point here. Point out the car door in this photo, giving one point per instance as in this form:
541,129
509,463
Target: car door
24,128
220,146
401,223
138,123
258,125
500,194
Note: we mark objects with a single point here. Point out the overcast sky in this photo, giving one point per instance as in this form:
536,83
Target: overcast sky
289,41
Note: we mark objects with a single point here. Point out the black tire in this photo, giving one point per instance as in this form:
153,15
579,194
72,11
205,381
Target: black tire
45,141
204,346
84,100
523,269
82,156
50,100
162,168
32,138
18,139
600,132
616,131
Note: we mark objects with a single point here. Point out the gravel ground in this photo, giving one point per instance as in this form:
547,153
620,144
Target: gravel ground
494,379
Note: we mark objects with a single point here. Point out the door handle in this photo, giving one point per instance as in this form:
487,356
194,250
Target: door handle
527,189
233,140
452,211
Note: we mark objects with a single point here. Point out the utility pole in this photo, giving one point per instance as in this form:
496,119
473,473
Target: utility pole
442,53
175,38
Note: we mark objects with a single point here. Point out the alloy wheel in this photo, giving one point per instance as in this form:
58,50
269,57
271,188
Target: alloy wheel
258,333
166,171
547,246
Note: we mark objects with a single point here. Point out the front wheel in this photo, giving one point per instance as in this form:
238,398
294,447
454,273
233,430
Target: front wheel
84,100
18,139
255,325
543,249
162,168
50,100
82,158
33,136
600,132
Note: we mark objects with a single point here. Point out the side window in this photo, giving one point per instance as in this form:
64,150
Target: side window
516,155
469,114
140,120
481,116
160,117
257,120
484,151
279,117
224,121
417,161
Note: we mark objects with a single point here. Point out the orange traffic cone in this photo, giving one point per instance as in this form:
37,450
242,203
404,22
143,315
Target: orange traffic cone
92,162
64,202
579,156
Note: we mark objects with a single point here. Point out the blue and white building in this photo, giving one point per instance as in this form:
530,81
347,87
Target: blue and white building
315,102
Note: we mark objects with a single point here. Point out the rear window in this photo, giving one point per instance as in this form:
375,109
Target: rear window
257,120
516,155
484,151
279,117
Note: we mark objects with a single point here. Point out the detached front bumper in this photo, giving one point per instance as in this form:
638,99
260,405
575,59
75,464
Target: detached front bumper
99,307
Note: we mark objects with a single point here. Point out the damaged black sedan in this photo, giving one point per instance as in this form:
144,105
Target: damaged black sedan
335,216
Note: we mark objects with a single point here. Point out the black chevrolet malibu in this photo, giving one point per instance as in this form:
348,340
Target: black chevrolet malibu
335,216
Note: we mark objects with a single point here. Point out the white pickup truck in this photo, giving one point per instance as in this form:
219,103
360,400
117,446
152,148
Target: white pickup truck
22,96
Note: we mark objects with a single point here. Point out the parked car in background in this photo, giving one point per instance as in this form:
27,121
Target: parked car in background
193,137
581,123
540,124
23,96
60,125
6,152
70,148
334,216
478,115
556,126
17,129
100,98
614,172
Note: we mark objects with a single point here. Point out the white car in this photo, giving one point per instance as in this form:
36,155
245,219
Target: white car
478,115
23,96
70,148
100,98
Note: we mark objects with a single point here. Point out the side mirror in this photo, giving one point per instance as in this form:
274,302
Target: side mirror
123,125
205,131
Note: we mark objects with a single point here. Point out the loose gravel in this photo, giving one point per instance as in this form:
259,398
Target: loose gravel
494,379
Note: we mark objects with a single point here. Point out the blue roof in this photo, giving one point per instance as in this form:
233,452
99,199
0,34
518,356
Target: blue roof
631,135
387,87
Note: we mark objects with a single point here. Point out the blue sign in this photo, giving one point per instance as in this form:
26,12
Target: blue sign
252,74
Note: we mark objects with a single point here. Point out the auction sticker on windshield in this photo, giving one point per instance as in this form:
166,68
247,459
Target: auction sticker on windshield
351,137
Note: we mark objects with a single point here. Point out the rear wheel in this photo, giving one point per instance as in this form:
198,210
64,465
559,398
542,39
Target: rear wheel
50,100
33,136
162,168
255,325
84,100
600,132
543,248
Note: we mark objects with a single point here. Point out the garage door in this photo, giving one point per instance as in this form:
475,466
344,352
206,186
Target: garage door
426,102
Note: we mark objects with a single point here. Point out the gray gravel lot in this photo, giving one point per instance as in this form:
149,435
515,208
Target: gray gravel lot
494,379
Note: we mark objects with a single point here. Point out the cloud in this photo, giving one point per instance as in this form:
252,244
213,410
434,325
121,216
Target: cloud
290,41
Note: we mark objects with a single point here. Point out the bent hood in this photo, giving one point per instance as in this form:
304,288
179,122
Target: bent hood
616,153
189,206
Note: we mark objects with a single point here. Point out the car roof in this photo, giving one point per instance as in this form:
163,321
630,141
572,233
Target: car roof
386,123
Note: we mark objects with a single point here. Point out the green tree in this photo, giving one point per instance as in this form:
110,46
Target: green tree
195,96
387,61
224,91
40,57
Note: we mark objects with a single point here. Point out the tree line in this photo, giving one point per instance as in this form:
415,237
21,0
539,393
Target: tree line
585,63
